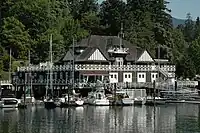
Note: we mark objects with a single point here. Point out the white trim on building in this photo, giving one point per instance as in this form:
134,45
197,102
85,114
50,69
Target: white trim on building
154,76
145,57
141,77
97,55
113,77
127,77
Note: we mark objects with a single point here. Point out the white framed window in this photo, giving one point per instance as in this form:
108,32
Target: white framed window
141,77
154,76
119,61
113,77
127,77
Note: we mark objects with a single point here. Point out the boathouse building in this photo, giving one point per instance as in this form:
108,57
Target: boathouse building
107,58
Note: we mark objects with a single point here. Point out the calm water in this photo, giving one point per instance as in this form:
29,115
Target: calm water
179,118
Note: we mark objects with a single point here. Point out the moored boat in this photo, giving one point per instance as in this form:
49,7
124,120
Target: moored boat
73,101
49,104
155,101
98,98
128,101
139,101
9,103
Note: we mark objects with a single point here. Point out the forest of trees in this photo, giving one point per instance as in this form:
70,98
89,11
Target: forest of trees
27,24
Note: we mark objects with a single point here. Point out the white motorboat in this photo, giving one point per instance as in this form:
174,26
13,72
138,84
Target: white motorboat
73,101
122,98
98,98
139,101
127,101
9,103
155,101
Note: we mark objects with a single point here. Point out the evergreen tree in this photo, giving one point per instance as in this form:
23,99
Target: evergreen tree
111,15
197,28
189,28
15,37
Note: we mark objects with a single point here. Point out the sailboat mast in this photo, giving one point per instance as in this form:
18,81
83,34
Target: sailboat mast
121,35
10,65
51,65
73,67
30,75
159,62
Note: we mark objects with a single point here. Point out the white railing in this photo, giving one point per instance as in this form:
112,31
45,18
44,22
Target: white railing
93,67
5,82
118,50
187,83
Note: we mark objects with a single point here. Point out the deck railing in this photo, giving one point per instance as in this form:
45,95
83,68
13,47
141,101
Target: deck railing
5,82
92,67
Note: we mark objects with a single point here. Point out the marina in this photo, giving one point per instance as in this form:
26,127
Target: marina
122,83
99,66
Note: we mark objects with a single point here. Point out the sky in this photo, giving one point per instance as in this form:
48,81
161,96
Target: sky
180,8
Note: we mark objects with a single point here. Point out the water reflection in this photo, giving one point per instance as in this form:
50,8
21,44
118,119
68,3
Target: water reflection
87,119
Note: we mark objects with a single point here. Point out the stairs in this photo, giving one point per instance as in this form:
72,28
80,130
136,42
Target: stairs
163,72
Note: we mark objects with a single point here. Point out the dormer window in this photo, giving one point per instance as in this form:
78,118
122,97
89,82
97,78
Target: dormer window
119,61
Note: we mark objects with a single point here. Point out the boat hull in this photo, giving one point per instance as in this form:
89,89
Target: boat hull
99,102
9,103
139,101
49,105
156,102
74,103
127,102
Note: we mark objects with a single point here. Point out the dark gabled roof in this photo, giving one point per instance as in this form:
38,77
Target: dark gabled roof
85,54
68,56
103,43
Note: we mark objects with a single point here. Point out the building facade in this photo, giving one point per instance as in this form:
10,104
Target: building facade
105,58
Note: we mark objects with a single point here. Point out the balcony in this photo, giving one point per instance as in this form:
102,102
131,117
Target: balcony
118,50
92,67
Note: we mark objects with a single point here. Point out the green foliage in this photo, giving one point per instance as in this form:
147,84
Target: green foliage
91,22
79,7
15,37
1,65
195,53
185,67
5,59
4,75
179,46
189,28
111,16
197,28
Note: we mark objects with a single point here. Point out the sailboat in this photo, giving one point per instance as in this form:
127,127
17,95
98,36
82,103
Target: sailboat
9,101
156,100
23,103
49,101
71,100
